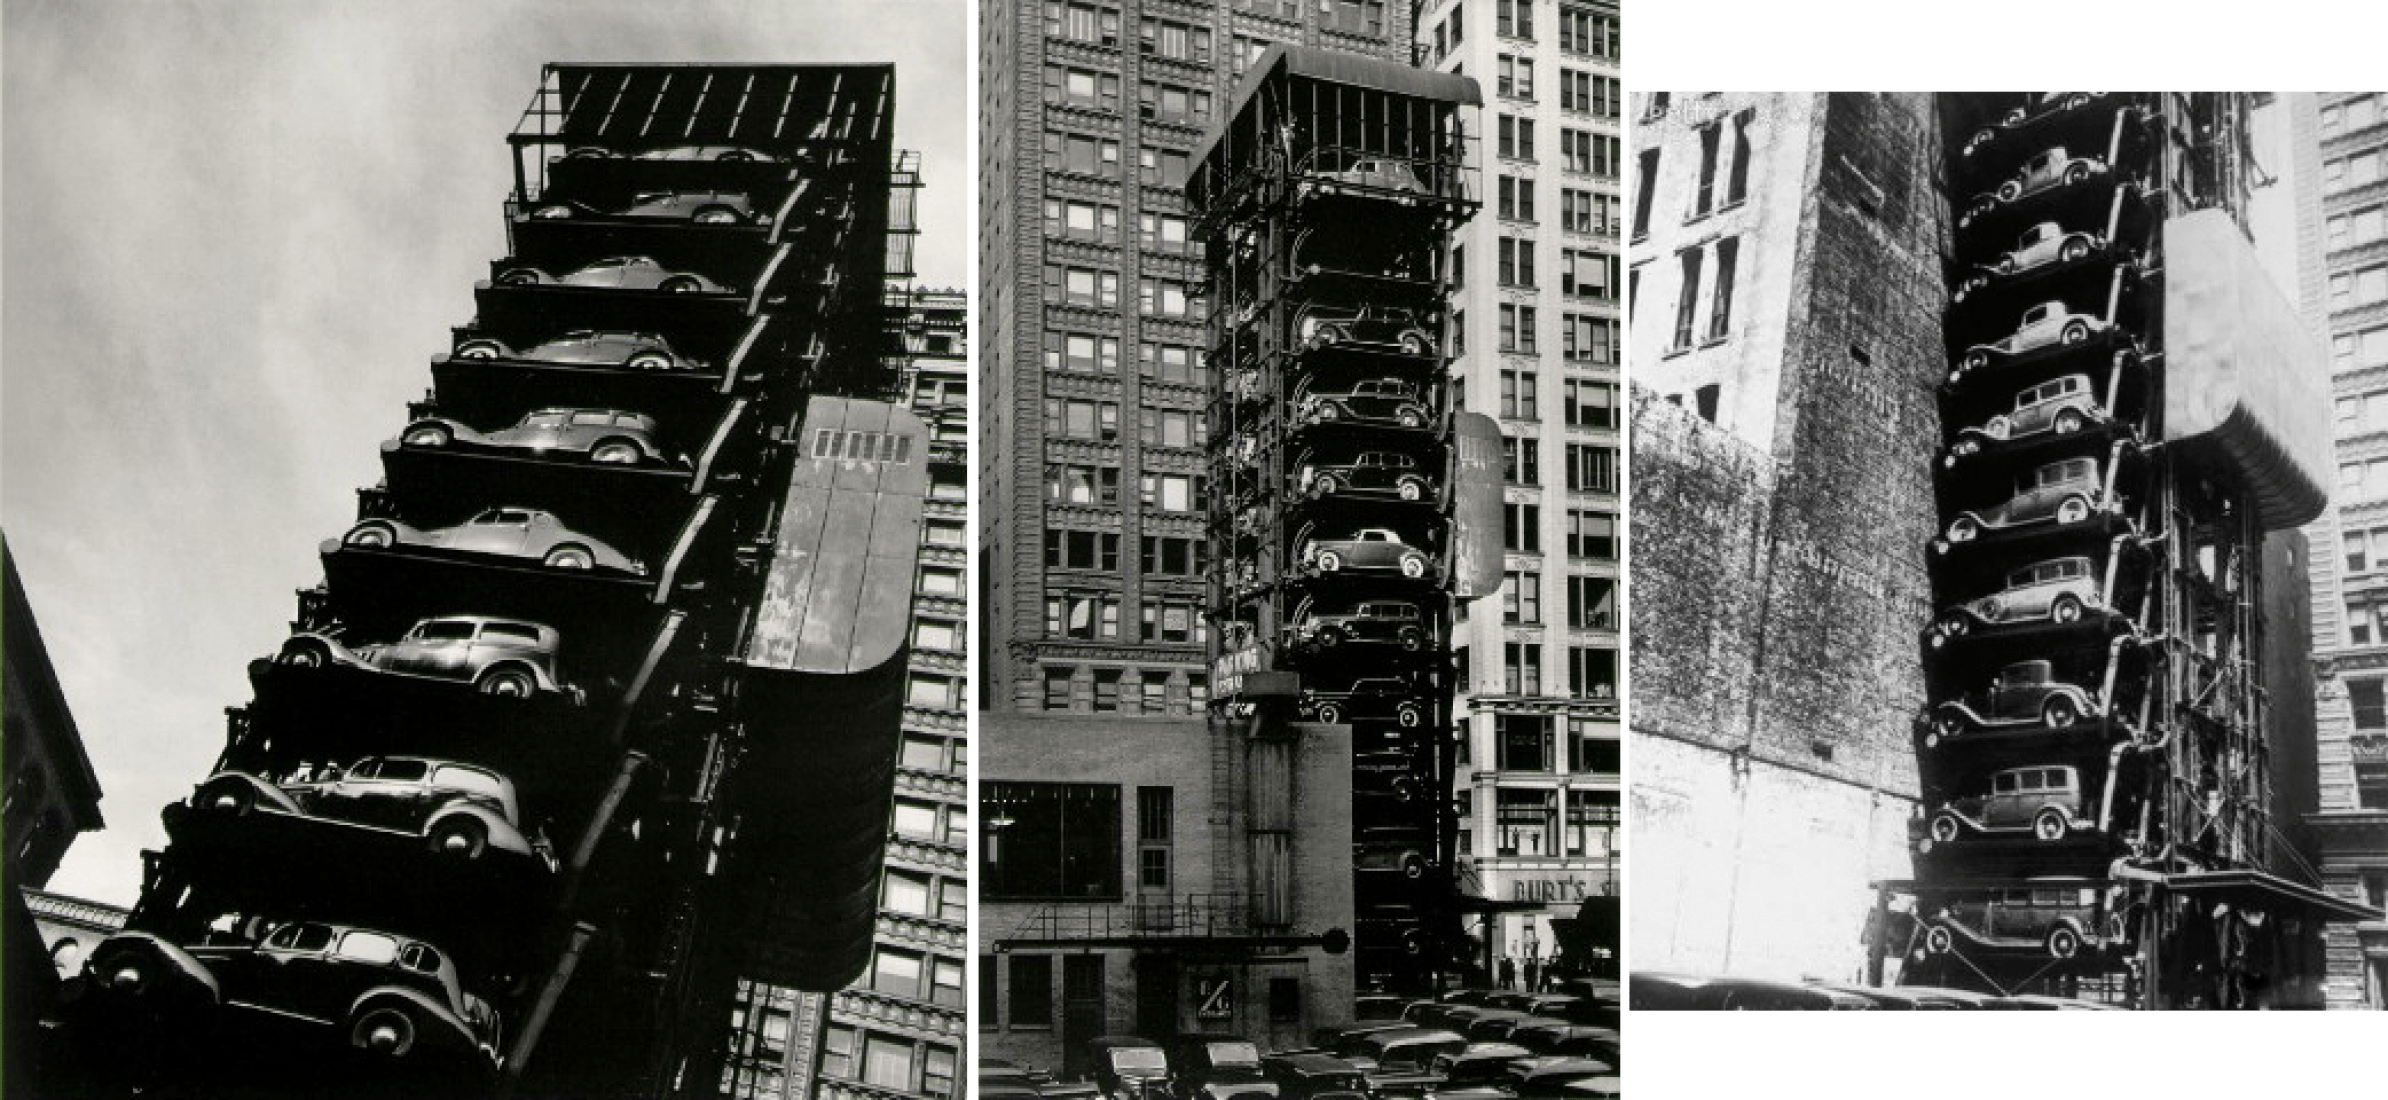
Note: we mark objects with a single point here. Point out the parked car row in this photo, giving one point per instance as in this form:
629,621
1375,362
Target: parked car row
1362,1062
1655,991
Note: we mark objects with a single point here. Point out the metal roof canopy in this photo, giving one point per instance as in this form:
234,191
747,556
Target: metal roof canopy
1250,120
767,106
2235,886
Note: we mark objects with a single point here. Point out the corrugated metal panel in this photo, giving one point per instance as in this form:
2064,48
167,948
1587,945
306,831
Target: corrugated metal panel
1341,68
1476,511
838,596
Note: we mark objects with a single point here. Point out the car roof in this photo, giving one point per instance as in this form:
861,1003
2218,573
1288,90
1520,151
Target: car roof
1309,1063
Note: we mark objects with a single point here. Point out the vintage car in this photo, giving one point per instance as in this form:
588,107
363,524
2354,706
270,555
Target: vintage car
1396,848
1377,473
741,153
1413,1049
2041,245
456,808
1309,1076
2047,801
700,207
1216,1067
2047,170
502,657
1130,1068
2023,694
1383,175
1368,550
1375,401
1391,329
1479,1061
616,273
604,435
2059,492
2056,916
2049,324
1580,1040
2060,405
1668,991
633,350
391,996
2058,590
504,532
1550,1077
2038,105
1377,697
1393,621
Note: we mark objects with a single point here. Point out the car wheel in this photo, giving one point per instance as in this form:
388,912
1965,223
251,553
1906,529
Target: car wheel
385,1030
1329,638
2005,265
1324,486
1410,488
2076,333
1945,827
1980,138
1411,418
520,276
1947,725
305,653
589,152
2063,942
2073,250
1413,343
459,835
1413,566
735,155
1412,638
680,284
2066,609
1409,716
1953,626
1964,528
715,215
1327,410
1938,941
429,435
570,556
228,796
619,452
1966,446
507,683
2070,421
648,360
2073,510
1413,866
2050,824
1976,359
1330,714
1329,561
372,534
2075,173
480,349
2010,191
2059,713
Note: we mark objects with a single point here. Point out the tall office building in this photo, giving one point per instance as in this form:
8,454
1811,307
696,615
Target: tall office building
2350,564
1090,483
1534,327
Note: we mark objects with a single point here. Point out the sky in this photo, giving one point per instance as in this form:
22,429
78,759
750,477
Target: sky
232,234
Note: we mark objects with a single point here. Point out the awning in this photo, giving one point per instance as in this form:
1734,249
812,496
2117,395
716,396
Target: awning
2260,889
1341,68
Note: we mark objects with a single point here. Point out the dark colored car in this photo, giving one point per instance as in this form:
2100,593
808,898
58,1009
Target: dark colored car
1409,1049
502,532
1371,698
631,350
1215,1067
1378,1006
1494,1024
389,995
1383,328
700,207
603,435
1307,1076
2057,917
1900,998
2024,693
1366,550
1661,991
1130,1067
739,153
1394,848
1580,1040
1382,175
1549,1078
616,273
1373,473
1374,401
1478,1062
1376,255
503,657
1393,621
459,808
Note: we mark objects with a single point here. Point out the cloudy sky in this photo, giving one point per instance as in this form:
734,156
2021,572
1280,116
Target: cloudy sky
233,233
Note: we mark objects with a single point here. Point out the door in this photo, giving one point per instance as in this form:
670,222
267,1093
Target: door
1081,1011
1156,997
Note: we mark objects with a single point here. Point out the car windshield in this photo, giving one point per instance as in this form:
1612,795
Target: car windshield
456,777
1138,1058
369,947
1232,1054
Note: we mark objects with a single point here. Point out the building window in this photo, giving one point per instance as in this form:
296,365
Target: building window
2371,784
1179,41
1591,535
1592,672
1645,190
1593,748
1514,19
1524,821
1515,137
1720,305
1057,689
1068,549
1588,339
1050,840
1592,603
896,973
1087,88
1106,690
1704,197
1737,185
1154,806
1521,668
1687,300
1590,404
1521,598
1521,461
937,1074
2365,698
1517,395
1522,742
1082,154
1163,167
1032,991
1516,198
1158,101
1514,77
1591,468
1588,274
1521,531
1285,1000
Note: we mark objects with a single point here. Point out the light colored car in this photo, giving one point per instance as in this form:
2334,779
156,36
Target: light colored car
2063,492
2045,800
2049,324
603,435
2037,105
1382,175
2048,170
701,207
2057,917
2059,590
2042,244
462,809
2024,694
629,350
503,657
617,273
505,532
2060,405
1369,549
735,153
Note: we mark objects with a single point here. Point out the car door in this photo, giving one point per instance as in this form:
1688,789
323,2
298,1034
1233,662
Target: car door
539,431
297,977
496,531
604,273
441,647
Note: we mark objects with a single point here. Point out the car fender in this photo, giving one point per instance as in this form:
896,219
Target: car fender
336,652
502,833
428,1011
185,966
268,796
1961,709
2083,700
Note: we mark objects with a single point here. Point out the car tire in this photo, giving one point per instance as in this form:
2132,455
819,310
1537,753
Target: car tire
1964,529
1411,638
1976,359
521,276
2073,510
2059,713
2010,191
1938,940
228,796
1324,485
1326,411
1413,344
304,653
2070,421
2050,825
507,683
383,1029
648,360
1965,446
2066,609
735,155
1944,726
428,435
1330,714
715,215
615,452
1413,866
1413,566
1411,418
374,535
2073,250
570,556
1329,561
1410,489
2063,942
461,835
1409,716
680,284
2075,173
1329,638
2075,332
1946,827
590,152
1954,626
2005,265
481,349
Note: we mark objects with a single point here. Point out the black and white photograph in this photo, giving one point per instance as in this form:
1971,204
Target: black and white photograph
2004,618
1299,735
487,520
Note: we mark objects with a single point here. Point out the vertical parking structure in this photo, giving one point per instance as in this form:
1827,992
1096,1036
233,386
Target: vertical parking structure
1341,534
596,709
2131,408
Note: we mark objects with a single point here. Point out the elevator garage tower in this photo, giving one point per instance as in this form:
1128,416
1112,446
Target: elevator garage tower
596,709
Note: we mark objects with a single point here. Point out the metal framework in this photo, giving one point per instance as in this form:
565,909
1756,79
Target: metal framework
598,924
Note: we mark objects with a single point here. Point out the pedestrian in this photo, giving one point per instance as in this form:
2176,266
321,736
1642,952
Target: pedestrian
1533,974
1509,972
